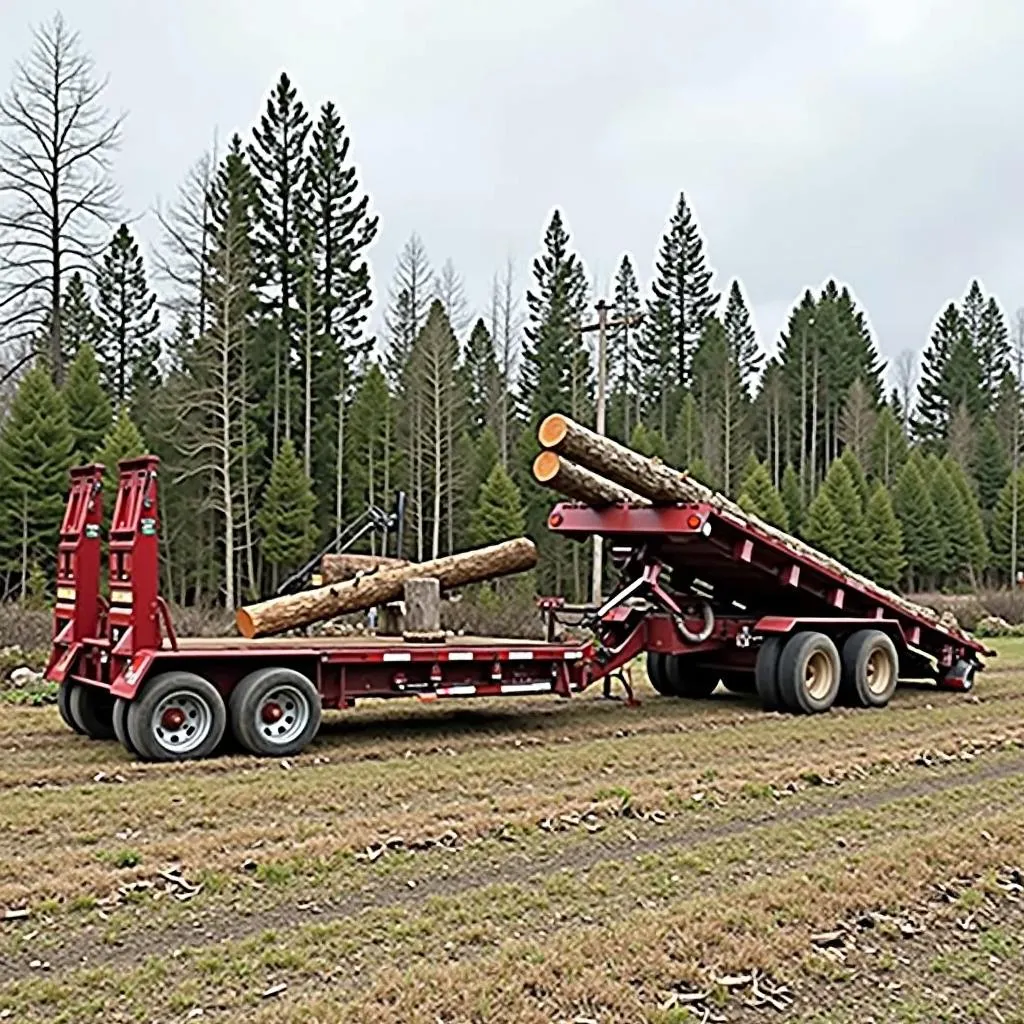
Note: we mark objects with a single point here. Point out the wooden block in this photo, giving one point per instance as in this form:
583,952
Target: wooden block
422,606
391,619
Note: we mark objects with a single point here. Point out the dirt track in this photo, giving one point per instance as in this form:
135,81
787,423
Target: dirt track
571,839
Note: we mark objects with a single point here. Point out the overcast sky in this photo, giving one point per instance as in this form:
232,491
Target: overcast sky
880,141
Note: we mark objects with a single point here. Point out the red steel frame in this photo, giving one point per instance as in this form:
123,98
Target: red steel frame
117,646
711,548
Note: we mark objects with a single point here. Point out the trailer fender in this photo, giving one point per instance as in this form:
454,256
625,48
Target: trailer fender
127,684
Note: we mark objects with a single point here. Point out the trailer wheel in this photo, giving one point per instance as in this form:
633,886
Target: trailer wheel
870,668
92,709
275,712
178,716
657,673
766,673
809,673
738,682
120,720
690,679
64,707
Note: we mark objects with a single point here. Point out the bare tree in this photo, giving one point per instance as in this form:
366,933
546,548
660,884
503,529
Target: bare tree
905,373
450,289
506,322
1018,366
57,198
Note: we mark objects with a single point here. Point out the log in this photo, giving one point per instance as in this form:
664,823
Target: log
580,484
335,568
307,606
422,610
663,485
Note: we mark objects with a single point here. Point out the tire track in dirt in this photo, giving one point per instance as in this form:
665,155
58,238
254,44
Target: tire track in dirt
222,925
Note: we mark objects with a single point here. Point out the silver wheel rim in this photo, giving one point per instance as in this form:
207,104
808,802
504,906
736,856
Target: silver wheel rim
878,672
818,675
182,721
282,715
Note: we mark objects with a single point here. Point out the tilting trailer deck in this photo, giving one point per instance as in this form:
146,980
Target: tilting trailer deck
708,599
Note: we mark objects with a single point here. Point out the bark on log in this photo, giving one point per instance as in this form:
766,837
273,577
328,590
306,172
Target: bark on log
335,568
580,484
652,479
422,609
307,606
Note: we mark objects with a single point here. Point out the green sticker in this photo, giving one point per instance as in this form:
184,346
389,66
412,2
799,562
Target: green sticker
92,531
148,527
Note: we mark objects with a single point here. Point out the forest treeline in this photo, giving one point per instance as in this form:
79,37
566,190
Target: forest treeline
239,352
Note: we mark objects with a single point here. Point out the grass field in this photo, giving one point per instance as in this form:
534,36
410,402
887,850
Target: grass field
530,861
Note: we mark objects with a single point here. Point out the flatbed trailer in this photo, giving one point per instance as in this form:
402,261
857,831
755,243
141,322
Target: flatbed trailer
707,596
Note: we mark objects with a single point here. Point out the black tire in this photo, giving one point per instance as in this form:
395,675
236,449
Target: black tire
290,697
92,709
120,719
739,682
191,723
657,673
64,707
690,679
870,669
809,673
766,673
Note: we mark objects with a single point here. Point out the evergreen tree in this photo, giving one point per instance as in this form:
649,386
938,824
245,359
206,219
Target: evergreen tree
123,441
972,531
499,513
128,346
846,500
885,552
1002,526
889,446
35,453
78,321
856,473
286,516
682,294
792,498
759,496
991,465
88,407
657,353
952,517
647,442
483,380
699,471
742,338
687,438
918,519
624,363
950,374
824,528
372,457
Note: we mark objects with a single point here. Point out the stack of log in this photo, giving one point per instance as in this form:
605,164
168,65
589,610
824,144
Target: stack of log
595,470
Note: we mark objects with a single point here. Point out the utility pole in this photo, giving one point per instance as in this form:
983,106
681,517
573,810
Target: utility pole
601,325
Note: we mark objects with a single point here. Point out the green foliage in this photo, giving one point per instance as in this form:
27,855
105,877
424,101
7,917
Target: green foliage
742,339
483,380
647,442
35,453
89,409
625,369
991,465
853,548
824,528
889,446
759,496
687,440
922,537
952,517
885,561
79,324
971,538
123,441
1002,531
499,513
285,518
856,473
792,498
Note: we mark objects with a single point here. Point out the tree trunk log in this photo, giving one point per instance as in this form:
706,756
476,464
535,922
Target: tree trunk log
422,610
663,485
580,484
335,568
307,606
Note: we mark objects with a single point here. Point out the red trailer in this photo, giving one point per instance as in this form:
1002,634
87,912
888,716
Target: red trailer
709,599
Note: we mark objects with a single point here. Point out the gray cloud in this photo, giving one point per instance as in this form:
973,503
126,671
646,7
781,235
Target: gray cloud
875,141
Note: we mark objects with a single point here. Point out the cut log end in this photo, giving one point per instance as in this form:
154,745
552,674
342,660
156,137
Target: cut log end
545,466
244,623
553,430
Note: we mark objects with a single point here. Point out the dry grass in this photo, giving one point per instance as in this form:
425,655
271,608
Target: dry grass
603,854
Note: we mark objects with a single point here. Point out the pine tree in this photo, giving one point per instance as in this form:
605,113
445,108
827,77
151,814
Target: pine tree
918,519
759,496
993,348
742,338
286,516
991,465
483,379
823,527
499,513
856,471
885,552
657,354
682,287
35,452
408,301
128,346
1002,526
624,362
792,498
89,410
889,446
647,442
687,439
277,155
123,441
847,501
972,531
952,517
700,472
372,458
78,321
